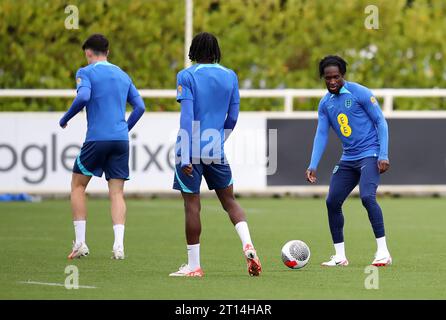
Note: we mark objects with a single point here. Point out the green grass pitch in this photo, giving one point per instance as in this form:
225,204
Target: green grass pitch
35,239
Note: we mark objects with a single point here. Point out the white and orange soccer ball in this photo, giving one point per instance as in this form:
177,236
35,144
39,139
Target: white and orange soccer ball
295,254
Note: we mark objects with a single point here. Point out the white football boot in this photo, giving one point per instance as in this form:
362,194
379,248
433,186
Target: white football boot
79,250
252,260
382,260
335,262
185,271
118,253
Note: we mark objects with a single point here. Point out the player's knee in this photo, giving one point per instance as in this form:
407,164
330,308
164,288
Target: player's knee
116,192
368,199
333,203
228,204
192,207
77,187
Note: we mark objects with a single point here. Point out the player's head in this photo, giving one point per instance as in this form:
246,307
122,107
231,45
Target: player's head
333,69
204,49
95,46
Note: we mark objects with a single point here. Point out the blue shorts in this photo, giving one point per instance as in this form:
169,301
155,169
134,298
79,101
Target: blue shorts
111,157
217,176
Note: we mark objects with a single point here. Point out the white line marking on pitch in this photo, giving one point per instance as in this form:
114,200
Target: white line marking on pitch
54,284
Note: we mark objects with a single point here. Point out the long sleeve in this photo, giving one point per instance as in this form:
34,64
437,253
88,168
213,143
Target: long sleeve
138,110
320,139
186,99
186,119
82,98
135,100
231,119
372,108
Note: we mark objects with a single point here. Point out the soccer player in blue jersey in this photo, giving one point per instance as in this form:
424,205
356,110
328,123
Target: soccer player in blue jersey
209,97
104,89
355,116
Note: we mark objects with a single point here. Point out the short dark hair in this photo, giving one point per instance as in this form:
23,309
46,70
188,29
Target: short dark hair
332,61
205,47
96,42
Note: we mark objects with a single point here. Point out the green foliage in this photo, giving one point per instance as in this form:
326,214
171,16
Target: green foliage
269,43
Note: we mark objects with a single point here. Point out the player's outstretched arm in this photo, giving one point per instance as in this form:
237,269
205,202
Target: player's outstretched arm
231,119
82,98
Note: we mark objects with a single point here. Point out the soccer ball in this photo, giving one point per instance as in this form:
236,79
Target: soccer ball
295,254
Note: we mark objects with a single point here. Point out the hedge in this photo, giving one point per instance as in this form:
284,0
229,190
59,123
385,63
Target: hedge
269,43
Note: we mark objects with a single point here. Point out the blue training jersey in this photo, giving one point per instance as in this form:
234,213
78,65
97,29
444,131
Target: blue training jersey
357,119
111,88
212,88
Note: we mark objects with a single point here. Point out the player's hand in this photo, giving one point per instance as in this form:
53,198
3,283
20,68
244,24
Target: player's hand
187,170
64,126
311,176
383,165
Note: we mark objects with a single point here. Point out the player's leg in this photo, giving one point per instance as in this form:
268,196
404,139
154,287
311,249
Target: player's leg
190,191
79,183
232,207
219,178
118,215
192,207
343,181
116,167
368,185
238,219
86,165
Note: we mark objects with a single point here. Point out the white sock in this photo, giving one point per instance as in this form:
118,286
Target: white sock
243,232
79,230
193,256
119,235
340,250
382,246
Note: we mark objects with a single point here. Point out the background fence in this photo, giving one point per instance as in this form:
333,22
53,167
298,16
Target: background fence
288,95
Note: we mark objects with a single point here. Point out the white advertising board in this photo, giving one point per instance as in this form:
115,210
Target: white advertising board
36,155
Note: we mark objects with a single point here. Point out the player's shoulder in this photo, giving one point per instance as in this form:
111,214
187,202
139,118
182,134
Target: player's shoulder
186,73
324,99
118,69
83,70
227,73
357,88
232,72
229,70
